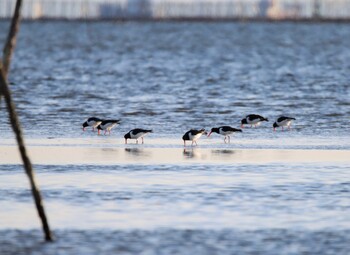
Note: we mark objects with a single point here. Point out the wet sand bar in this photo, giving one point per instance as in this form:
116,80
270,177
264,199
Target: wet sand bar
62,152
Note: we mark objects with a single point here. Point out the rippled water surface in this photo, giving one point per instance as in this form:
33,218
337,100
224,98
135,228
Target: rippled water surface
175,76
180,209
172,77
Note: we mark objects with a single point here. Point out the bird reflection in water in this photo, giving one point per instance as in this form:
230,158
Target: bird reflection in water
137,152
109,150
191,153
224,152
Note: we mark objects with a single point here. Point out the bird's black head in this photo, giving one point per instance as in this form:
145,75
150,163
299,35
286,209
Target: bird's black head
127,136
275,125
85,124
244,121
215,130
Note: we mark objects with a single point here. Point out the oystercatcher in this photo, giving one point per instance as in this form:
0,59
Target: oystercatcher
193,135
225,131
136,134
252,119
282,122
107,125
92,122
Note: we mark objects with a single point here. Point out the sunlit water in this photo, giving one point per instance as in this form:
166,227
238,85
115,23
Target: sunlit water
171,77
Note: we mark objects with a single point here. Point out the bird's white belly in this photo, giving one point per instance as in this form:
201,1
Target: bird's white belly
254,121
225,133
94,123
137,136
284,123
195,137
109,126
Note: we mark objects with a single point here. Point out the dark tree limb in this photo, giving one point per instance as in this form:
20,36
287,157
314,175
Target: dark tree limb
5,91
11,38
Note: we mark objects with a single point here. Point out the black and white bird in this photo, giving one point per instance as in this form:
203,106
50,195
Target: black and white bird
193,135
253,119
107,125
92,122
225,131
283,121
136,134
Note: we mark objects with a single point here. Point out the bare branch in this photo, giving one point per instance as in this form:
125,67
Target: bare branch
5,91
11,38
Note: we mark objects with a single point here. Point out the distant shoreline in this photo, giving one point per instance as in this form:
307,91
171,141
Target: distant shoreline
195,19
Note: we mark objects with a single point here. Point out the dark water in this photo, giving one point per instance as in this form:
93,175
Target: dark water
165,241
175,76
171,77
174,209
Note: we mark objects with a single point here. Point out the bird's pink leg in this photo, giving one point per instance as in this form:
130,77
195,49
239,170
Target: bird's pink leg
83,129
98,132
282,128
184,143
137,141
142,139
225,139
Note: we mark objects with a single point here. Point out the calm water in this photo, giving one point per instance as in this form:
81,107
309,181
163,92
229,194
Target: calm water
172,77
180,209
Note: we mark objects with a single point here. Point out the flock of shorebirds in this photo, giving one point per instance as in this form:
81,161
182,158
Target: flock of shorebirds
191,135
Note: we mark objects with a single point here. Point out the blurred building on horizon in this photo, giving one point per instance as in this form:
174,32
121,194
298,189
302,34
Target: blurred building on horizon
180,9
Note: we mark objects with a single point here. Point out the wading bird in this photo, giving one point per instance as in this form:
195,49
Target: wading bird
225,131
92,122
107,125
193,135
252,119
136,134
283,121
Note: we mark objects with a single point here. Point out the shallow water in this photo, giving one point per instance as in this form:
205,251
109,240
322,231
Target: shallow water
171,77
261,194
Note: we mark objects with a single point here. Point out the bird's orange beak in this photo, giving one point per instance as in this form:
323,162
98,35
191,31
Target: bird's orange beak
209,133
